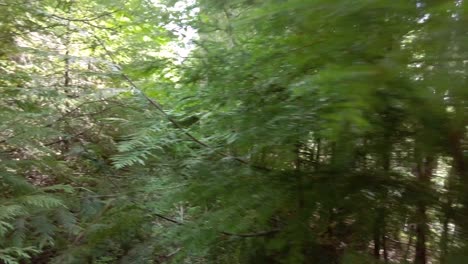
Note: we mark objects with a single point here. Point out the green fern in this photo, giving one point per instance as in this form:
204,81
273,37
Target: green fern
12,255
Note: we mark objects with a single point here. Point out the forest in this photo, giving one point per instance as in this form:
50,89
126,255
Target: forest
233,131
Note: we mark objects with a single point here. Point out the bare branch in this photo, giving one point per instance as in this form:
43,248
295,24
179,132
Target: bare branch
244,235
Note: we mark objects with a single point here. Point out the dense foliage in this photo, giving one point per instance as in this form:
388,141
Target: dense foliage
234,131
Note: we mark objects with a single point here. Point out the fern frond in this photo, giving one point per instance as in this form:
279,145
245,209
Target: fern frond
8,212
41,201
13,255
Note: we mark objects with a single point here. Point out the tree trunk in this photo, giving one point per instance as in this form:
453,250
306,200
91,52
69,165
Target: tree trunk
424,173
376,243
317,153
378,234
67,79
461,168
444,241
421,226
384,245
66,75
408,247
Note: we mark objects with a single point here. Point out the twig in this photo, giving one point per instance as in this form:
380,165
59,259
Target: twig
84,19
173,253
257,234
245,235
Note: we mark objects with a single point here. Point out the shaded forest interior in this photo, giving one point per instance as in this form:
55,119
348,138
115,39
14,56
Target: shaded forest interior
233,131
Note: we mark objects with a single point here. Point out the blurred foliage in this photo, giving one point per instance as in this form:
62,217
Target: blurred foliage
238,131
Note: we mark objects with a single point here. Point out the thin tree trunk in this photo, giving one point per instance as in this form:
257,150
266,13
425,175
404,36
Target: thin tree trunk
378,234
424,173
408,248
461,168
66,75
318,142
376,243
302,218
444,241
381,211
384,245
421,230
67,79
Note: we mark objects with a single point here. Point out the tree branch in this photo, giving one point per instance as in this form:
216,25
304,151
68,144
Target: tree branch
84,19
244,235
